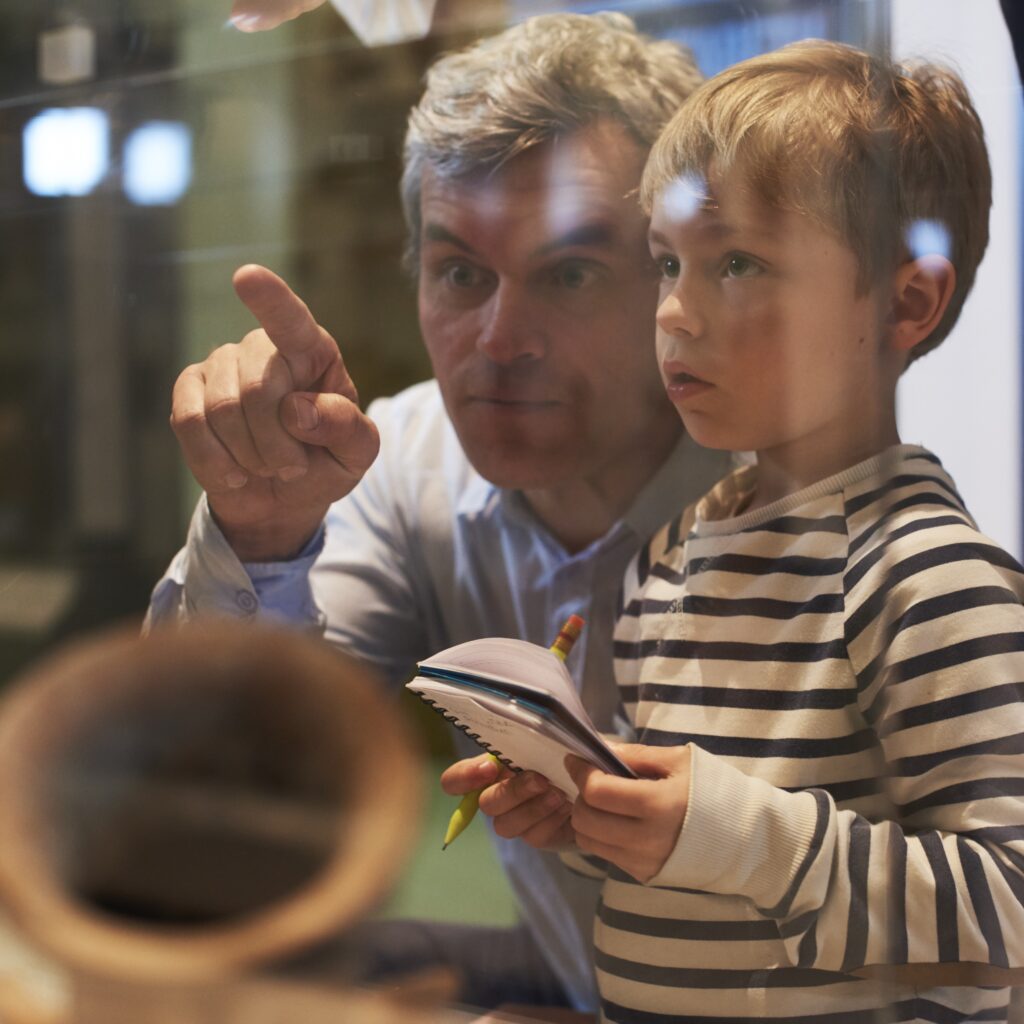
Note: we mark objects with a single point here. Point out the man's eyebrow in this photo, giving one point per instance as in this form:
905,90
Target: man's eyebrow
595,233
437,233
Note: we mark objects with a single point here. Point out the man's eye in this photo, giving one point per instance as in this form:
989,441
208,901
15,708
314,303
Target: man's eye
461,275
574,275
738,265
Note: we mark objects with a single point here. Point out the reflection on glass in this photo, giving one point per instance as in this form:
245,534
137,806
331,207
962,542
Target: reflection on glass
928,238
66,151
157,163
684,197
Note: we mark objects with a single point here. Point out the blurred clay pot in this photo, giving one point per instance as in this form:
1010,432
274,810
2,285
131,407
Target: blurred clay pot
195,803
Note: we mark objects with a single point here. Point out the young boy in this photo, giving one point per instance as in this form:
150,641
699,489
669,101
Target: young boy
824,659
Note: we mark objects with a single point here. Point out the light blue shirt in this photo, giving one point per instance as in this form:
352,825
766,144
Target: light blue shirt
425,554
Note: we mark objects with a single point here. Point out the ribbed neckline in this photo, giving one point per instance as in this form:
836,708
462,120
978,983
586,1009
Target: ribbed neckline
747,477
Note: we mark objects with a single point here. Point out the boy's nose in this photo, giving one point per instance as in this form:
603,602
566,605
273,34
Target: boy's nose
509,331
677,313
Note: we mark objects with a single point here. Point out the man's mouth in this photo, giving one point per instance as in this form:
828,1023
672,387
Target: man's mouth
513,401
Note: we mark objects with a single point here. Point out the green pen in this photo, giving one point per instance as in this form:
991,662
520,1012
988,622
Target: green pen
470,803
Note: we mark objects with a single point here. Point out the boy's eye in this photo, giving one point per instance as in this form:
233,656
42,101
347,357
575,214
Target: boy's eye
738,265
668,266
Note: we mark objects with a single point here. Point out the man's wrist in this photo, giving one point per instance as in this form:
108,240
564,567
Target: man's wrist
268,542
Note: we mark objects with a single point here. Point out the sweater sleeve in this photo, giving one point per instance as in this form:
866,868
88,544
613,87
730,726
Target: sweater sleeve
935,635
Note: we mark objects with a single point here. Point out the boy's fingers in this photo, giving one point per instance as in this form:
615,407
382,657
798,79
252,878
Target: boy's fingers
533,820
554,830
638,865
468,775
306,347
578,769
512,792
607,792
597,848
653,762
618,830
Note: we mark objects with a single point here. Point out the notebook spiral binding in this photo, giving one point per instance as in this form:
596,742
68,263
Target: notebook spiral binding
475,737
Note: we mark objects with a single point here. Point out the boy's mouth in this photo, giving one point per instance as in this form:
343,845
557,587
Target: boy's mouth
678,373
681,384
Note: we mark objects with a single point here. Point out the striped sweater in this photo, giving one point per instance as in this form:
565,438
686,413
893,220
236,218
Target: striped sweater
848,664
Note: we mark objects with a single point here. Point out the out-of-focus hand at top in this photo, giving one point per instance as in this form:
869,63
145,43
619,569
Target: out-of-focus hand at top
259,15
375,22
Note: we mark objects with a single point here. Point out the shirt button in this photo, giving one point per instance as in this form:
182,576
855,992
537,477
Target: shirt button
246,601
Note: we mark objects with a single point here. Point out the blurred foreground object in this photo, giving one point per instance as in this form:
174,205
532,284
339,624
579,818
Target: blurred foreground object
182,808
260,15
382,22
375,22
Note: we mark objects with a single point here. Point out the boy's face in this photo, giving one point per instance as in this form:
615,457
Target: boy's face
763,342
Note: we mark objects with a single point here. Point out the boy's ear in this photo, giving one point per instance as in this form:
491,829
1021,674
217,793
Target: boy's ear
921,292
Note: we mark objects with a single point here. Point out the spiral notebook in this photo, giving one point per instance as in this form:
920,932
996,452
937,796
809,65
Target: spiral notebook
518,701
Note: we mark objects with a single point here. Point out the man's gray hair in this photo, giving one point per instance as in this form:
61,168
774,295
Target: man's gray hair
546,77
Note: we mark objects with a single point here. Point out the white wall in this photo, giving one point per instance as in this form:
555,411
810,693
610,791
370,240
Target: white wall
963,400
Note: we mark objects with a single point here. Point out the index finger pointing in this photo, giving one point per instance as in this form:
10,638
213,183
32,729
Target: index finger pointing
308,349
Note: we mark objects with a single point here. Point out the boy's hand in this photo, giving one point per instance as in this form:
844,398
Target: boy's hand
471,774
633,823
524,805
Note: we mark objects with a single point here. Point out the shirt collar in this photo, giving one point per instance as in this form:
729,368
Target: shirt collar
683,477
477,495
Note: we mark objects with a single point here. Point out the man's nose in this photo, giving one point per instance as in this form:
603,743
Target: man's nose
511,330
678,312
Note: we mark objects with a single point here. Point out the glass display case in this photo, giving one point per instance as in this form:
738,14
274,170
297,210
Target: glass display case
151,147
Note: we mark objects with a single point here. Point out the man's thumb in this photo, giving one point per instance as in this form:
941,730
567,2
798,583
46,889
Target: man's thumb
333,422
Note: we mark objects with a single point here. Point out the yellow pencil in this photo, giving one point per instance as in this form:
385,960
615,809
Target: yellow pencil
468,805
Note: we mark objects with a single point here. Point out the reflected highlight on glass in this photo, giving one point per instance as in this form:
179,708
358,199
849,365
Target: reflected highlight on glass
158,163
66,151
928,238
684,197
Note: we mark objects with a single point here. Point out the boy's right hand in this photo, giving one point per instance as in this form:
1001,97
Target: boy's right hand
523,805
271,427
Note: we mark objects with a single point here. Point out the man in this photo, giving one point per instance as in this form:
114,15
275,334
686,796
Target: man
512,490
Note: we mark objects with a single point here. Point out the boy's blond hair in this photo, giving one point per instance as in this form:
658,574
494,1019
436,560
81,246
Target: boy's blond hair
889,157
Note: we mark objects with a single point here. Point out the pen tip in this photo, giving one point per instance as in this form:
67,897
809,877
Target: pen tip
445,847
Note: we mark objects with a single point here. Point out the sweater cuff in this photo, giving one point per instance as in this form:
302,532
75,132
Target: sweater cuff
741,836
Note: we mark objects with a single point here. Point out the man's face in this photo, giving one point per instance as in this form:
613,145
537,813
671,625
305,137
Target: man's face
536,302
763,342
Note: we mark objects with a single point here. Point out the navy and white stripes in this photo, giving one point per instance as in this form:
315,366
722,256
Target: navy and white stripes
849,665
